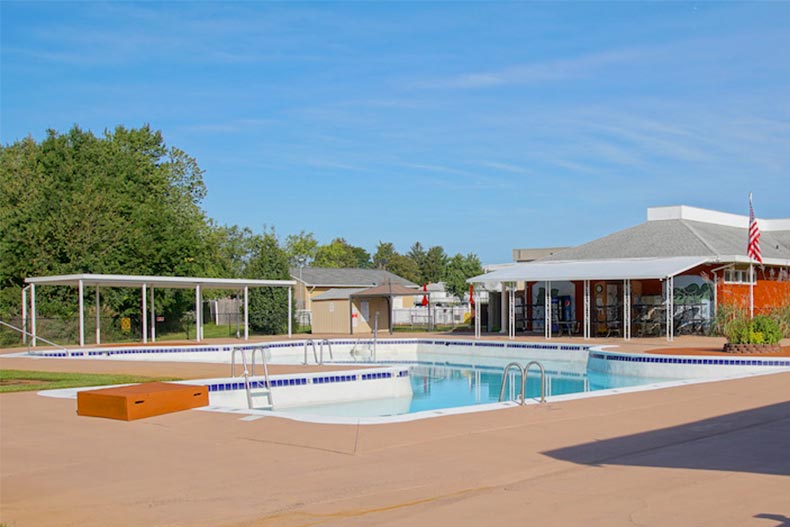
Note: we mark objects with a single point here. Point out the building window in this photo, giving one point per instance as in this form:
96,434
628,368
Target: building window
738,276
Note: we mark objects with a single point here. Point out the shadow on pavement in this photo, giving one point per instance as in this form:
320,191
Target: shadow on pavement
753,441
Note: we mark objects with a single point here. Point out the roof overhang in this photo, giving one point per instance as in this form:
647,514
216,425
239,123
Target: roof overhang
625,269
170,282
386,290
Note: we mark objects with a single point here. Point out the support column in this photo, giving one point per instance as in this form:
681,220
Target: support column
511,312
670,305
586,312
246,313
145,316
503,310
98,319
477,314
547,311
198,314
290,315
627,309
81,289
24,314
153,317
33,312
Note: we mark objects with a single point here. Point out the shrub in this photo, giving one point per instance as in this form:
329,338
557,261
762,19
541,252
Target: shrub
768,327
761,330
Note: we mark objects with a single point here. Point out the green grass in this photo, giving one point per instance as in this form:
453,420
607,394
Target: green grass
24,381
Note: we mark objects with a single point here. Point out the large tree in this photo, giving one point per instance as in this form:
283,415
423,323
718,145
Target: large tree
268,305
340,254
123,202
301,248
459,269
433,265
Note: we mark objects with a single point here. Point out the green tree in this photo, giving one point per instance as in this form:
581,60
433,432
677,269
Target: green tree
459,269
404,267
417,254
433,265
123,202
268,305
383,255
301,246
340,254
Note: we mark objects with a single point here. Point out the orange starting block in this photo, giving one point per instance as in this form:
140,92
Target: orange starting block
141,400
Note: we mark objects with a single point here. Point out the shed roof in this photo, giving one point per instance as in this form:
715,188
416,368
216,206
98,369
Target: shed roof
330,277
338,293
385,290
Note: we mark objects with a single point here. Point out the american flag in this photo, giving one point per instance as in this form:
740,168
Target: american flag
753,250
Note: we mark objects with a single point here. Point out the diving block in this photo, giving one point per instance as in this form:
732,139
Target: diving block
140,400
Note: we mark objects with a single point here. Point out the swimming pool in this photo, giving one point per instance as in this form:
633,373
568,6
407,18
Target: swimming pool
405,379
438,387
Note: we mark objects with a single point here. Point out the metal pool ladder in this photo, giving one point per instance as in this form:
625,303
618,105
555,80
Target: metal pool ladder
318,356
524,371
258,391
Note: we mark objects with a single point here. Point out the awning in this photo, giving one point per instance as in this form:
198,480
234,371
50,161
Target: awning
170,282
627,269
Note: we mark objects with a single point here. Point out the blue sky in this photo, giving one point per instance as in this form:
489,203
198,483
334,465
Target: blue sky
479,126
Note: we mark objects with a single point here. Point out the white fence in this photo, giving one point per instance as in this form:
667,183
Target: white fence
431,316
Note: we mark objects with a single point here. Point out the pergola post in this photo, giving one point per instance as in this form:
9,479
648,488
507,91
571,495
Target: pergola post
24,314
246,313
586,313
503,316
33,312
477,314
153,317
627,309
547,310
511,311
80,288
290,317
98,319
198,314
145,316
670,304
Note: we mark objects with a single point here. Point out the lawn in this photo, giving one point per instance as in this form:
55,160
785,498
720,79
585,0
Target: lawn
23,381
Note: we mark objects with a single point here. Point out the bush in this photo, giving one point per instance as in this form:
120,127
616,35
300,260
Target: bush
761,330
768,327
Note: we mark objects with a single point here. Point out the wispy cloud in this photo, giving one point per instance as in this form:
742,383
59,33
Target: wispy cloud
536,72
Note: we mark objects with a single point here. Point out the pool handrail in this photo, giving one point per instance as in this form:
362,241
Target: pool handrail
27,333
524,370
504,381
542,380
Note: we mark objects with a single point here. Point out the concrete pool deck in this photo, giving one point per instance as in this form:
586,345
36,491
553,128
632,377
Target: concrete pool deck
703,454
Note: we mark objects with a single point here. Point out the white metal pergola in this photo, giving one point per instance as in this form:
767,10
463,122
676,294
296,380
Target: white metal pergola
146,284
585,271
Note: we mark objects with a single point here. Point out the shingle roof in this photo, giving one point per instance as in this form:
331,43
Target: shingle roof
668,238
326,277
338,293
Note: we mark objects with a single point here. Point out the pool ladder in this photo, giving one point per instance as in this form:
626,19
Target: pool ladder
318,356
254,393
524,372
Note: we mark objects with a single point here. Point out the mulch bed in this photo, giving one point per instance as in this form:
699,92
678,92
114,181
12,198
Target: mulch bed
717,352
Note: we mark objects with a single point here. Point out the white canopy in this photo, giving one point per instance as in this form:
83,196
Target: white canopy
169,282
148,284
626,269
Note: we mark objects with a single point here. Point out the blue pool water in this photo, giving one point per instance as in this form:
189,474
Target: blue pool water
438,387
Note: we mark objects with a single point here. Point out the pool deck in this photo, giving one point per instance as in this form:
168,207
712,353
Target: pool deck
704,454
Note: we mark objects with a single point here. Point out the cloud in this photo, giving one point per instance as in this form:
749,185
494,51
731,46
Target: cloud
536,72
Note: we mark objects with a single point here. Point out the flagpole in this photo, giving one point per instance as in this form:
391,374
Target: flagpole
751,289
